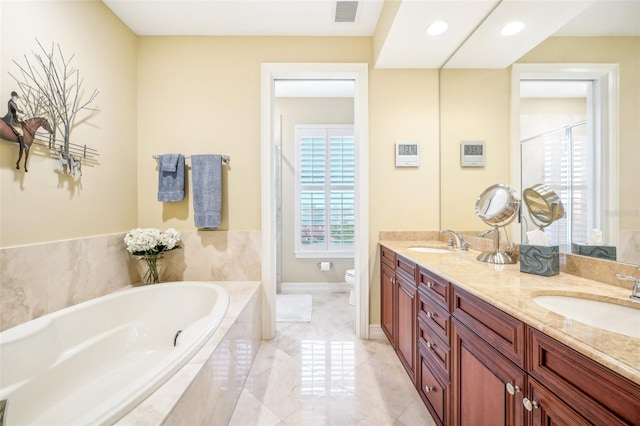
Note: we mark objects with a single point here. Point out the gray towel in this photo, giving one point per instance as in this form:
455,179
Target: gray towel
171,178
169,162
206,176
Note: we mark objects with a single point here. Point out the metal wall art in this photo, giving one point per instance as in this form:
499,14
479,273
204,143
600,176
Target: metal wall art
50,97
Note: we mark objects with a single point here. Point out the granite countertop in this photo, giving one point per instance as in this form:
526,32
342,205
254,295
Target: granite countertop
512,291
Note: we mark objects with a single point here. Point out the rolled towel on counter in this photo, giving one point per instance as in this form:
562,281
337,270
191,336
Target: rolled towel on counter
170,178
206,177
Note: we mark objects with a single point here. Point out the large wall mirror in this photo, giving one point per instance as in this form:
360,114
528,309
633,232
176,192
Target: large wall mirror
534,117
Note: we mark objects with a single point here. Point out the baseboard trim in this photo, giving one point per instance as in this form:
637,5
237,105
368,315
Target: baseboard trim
297,288
376,333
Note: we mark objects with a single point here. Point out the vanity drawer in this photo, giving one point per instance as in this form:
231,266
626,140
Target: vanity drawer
502,331
600,395
433,347
435,391
435,316
388,257
406,268
435,287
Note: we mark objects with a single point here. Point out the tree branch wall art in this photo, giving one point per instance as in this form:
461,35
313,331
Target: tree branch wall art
52,96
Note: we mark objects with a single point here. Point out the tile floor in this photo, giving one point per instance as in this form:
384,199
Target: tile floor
318,373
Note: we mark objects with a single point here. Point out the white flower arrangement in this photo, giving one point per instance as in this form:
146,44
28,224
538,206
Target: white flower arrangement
151,242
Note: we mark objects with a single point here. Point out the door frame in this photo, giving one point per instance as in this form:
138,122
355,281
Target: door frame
606,80
314,71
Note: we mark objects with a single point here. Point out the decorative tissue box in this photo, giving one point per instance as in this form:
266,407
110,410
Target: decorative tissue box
601,252
540,260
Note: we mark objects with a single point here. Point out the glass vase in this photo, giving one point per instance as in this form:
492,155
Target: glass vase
151,268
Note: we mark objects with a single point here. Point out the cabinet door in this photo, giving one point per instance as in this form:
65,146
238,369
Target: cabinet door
407,337
547,409
387,301
483,380
600,395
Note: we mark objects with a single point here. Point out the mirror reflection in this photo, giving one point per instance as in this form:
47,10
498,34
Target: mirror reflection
605,197
543,204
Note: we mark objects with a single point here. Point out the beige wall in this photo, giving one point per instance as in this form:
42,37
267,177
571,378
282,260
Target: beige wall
295,111
43,205
475,105
202,95
403,105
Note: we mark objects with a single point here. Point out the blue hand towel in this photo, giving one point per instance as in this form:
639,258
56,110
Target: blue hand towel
169,162
171,178
206,175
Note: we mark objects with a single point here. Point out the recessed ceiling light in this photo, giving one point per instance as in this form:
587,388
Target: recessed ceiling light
437,28
512,28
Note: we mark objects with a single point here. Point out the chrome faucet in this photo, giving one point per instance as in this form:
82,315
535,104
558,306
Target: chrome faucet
460,242
635,291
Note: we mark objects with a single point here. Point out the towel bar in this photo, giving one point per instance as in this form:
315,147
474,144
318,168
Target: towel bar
225,158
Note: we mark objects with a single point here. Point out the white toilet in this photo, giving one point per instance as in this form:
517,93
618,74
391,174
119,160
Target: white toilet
350,279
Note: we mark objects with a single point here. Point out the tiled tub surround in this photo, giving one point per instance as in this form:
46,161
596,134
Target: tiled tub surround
505,287
42,278
206,389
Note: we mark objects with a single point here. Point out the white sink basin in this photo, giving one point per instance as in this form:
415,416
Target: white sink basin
430,250
607,316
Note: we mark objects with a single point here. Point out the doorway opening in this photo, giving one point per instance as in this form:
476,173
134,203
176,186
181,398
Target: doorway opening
274,162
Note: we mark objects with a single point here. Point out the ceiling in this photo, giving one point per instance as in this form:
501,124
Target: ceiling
471,41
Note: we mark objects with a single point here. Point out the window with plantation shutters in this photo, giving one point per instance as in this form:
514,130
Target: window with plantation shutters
325,195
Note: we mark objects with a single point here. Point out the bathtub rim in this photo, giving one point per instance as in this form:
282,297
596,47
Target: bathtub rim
136,392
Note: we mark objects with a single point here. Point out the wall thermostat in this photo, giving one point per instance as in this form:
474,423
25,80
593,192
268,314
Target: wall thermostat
407,154
472,154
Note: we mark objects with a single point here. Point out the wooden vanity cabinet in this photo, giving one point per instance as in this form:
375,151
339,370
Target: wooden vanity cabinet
398,294
434,344
406,315
502,331
530,377
434,387
564,382
388,293
474,364
480,383
488,379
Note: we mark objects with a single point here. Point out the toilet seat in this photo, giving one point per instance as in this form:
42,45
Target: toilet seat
350,279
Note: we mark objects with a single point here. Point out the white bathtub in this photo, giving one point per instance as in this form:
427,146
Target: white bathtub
93,362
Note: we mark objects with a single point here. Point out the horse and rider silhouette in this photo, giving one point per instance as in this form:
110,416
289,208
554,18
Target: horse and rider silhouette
8,130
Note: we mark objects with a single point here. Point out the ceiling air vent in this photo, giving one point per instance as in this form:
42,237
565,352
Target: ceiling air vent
346,11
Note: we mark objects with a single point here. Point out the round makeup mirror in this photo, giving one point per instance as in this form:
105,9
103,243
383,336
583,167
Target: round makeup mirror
544,205
497,206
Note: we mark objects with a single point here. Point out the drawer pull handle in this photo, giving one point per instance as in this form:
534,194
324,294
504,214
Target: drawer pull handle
393,280
512,389
429,284
430,314
428,389
430,345
529,405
